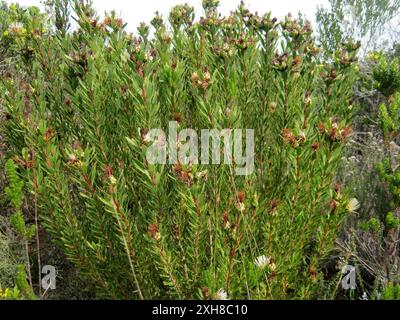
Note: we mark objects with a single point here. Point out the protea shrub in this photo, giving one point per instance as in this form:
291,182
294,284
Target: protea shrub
79,125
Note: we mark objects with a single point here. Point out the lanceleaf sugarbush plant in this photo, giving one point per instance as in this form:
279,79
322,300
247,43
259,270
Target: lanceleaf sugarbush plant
79,128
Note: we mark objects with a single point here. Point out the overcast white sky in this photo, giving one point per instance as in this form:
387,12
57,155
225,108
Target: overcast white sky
135,11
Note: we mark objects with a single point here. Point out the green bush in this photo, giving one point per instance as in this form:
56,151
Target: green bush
392,292
79,125
386,74
7,262
20,29
378,178
22,289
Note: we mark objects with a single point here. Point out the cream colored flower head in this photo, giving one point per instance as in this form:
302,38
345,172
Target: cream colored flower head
147,138
353,205
262,262
16,27
272,266
113,180
221,295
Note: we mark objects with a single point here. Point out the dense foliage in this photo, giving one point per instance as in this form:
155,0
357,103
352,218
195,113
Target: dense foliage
79,128
78,106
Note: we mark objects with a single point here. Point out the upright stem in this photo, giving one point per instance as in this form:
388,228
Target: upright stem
35,186
127,247
28,264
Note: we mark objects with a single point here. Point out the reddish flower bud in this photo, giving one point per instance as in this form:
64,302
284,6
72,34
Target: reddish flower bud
315,146
333,205
241,196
